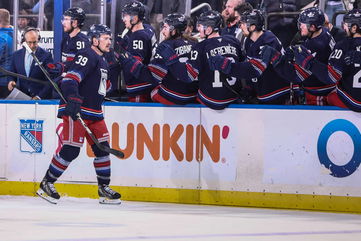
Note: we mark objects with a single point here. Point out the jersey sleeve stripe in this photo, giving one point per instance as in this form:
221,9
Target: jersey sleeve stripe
334,74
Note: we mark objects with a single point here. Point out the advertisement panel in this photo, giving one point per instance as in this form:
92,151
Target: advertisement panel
3,132
159,146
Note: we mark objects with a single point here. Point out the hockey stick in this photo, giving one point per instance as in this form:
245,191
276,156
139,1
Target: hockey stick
104,148
16,75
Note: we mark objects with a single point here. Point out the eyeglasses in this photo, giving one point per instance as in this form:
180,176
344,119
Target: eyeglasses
32,42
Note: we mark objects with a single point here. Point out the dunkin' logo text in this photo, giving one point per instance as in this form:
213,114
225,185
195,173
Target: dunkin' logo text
161,141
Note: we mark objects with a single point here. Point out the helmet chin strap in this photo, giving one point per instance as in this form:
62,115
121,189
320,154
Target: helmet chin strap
133,24
207,35
98,47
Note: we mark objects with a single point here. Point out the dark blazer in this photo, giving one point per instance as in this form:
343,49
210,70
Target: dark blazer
30,88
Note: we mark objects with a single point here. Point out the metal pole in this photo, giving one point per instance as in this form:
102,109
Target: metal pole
322,5
112,18
59,6
188,7
15,24
41,15
103,10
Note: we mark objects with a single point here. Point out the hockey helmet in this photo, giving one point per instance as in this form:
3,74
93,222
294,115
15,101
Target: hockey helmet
134,8
211,19
255,17
176,21
353,17
312,16
96,30
76,14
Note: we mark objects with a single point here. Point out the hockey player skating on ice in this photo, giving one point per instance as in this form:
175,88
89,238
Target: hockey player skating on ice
170,90
84,87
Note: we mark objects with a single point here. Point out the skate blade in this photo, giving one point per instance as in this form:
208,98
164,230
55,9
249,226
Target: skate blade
44,196
103,200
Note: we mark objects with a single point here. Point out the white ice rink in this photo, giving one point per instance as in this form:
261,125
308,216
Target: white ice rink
31,218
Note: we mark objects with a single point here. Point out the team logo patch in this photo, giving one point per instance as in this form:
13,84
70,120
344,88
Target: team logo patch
31,136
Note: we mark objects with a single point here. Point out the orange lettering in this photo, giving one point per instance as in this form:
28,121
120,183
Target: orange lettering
170,142
144,139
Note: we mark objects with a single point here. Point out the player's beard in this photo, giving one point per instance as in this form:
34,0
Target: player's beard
231,18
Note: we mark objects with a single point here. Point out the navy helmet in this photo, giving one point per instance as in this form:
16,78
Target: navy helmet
353,17
211,19
134,8
312,16
76,14
176,21
96,30
255,17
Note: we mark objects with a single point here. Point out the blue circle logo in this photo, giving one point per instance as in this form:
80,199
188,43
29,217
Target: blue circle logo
354,133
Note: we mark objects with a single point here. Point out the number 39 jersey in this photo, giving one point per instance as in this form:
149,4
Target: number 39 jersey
87,77
213,91
347,77
71,45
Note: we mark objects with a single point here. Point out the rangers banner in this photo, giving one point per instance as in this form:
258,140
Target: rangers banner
31,136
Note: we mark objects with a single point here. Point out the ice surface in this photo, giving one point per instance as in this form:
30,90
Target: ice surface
31,218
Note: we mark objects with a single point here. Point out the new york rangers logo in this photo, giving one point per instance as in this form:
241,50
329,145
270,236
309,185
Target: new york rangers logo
31,136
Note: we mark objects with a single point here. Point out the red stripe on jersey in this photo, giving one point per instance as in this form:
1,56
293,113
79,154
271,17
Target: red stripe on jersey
69,59
257,64
333,72
138,58
98,111
157,71
136,85
191,70
304,74
274,92
72,76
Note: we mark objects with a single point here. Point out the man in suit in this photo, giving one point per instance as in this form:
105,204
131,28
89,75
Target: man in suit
22,63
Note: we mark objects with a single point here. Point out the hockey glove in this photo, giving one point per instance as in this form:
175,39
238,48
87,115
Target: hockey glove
55,69
122,42
270,55
289,54
220,63
168,54
303,57
131,64
353,57
73,105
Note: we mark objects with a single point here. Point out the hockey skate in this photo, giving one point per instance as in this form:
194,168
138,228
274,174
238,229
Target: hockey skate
107,195
48,192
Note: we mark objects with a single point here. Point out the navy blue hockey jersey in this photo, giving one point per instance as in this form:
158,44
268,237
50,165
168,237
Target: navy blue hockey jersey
71,46
170,87
140,45
270,87
347,77
321,47
216,90
88,77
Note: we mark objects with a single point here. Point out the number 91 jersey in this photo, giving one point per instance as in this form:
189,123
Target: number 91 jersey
213,91
71,45
348,77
